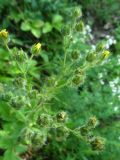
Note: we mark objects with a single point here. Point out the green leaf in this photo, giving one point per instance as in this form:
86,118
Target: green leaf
36,32
3,140
6,141
57,18
44,55
15,16
37,24
20,116
25,26
11,155
21,148
57,21
6,111
47,27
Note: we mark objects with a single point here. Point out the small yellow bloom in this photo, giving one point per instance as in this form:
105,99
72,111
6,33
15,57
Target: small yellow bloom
36,48
4,34
105,54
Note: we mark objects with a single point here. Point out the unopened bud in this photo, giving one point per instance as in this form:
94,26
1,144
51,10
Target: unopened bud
84,130
100,47
77,12
80,72
61,116
92,122
36,48
78,79
97,143
20,56
105,54
4,34
45,120
79,26
75,55
91,57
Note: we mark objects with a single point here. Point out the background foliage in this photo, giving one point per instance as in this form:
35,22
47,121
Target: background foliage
48,21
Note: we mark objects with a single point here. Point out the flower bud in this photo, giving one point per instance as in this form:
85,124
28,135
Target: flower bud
84,130
36,48
38,139
80,72
78,79
100,47
20,56
97,144
91,57
75,55
7,96
105,54
92,122
45,120
79,26
61,133
20,81
4,34
61,116
77,12
19,101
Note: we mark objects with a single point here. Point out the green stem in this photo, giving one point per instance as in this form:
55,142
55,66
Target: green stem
6,46
65,58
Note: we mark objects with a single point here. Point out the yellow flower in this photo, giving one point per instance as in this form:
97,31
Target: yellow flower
105,54
3,34
36,48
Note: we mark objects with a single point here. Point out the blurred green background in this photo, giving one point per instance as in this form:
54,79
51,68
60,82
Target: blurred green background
29,21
